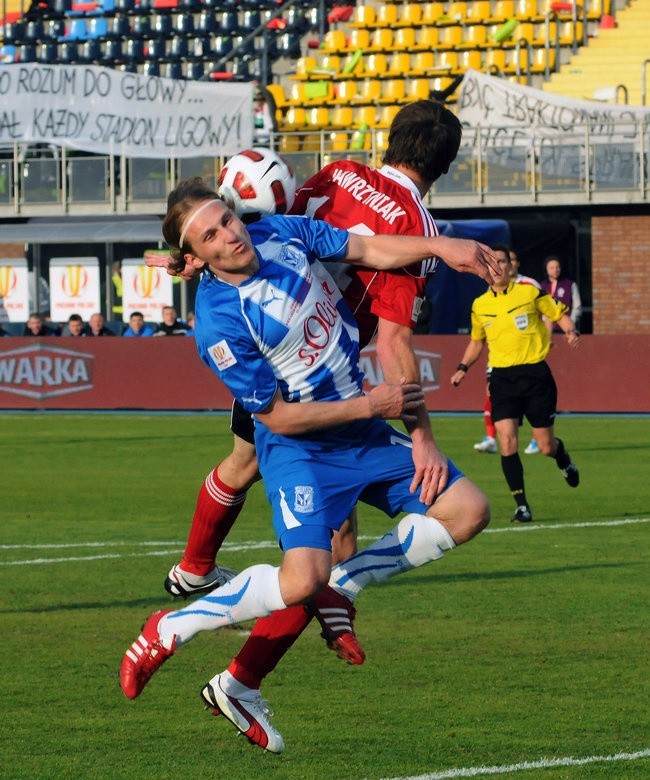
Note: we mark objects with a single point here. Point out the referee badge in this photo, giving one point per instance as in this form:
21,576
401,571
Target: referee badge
521,321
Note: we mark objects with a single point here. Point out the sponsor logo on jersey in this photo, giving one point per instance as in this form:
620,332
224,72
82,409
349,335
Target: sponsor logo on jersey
221,355
41,372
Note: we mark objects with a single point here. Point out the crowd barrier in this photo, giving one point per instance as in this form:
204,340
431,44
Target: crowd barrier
605,374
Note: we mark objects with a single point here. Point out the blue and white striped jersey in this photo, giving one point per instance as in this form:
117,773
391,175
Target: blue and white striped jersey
287,326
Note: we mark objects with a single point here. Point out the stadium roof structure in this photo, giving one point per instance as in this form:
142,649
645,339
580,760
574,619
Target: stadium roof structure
88,230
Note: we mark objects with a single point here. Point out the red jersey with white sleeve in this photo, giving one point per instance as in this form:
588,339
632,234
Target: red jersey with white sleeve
362,200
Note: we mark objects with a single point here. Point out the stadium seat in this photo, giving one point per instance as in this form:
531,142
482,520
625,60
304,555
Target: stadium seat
150,68
155,49
207,22
294,119
318,117
423,63
427,39
399,64
172,70
47,52
178,48
375,65
457,12
470,60
329,64
334,41
118,27
380,41
450,37
98,27
183,24
404,39
387,114
68,52
504,10
432,12
370,91
474,35
479,12
77,30
26,52
141,27
161,24
353,64
418,89
387,15
195,70
495,59
365,115
112,50
526,10
447,61
90,51
410,15
34,31
364,16
347,91
359,38
393,91
304,67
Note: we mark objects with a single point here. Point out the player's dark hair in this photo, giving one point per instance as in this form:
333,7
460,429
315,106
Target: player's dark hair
180,203
424,136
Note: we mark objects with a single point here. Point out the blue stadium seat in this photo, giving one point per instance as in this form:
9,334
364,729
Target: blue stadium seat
98,27
118,27
200,47
77,30
155,49
207,23
178,48
26,52
113,50
183,24
173,70
34,31
221,45
47,52
229,22
90,51
13,32
141,26
161,24
68,52
134,50
195,70
151,68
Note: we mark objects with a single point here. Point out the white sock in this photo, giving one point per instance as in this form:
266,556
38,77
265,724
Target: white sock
254,592
415,540
233,687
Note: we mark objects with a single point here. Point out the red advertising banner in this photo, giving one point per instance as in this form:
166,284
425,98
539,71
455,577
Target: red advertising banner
605,374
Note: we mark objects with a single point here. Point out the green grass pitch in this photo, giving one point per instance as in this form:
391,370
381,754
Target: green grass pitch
519,650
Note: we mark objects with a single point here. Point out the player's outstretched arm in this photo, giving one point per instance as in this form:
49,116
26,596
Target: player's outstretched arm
386,401
387,253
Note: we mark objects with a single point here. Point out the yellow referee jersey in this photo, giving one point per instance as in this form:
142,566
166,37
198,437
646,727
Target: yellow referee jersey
511,323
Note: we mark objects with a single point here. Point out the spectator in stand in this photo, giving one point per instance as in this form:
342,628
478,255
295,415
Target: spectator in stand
116,279
171,325
36,326
3,333
97,326
562,289
74,326
137,326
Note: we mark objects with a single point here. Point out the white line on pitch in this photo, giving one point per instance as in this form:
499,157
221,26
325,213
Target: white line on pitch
544,763
177,547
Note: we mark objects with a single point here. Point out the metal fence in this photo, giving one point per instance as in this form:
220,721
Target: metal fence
495,167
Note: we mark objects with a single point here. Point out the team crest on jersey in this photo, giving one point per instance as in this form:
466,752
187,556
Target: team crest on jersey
417,306
221,355
291,255
304,499
521,321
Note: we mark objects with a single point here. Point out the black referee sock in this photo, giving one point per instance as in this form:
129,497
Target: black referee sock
562,457
513,471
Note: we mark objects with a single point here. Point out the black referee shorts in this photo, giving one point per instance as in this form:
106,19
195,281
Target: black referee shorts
524,391
241,423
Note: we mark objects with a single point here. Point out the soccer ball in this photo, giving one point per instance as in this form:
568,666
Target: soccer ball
259,183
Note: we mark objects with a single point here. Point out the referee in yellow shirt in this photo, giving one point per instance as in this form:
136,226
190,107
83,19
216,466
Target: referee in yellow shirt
509,317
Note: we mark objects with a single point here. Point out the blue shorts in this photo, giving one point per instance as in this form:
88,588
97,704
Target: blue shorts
313,483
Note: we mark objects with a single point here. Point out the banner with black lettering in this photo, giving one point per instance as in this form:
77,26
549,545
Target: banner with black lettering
106,111
488,101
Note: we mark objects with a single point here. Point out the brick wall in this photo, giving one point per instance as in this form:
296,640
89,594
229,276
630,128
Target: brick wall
621,274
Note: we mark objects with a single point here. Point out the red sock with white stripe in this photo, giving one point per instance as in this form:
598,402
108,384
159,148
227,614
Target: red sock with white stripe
490,430
217,508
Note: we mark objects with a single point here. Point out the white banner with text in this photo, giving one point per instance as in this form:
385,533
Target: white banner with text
106,111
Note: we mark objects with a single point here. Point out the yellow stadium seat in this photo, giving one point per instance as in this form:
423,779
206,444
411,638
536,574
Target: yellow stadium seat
479,12
381,142
381,39
387,15
474,35
365,115
410,15
364,16
427,39
393,91
278,95
295,118
431,13
403,39
526,10
418,89
306,93
495,58
399,64
369,92
570,32
347,91
447,61
423,62
334,41
318,118
289,142
504,10
375,65
450,37
328,64
359,38
352,65
470,60
387,114
441,83
457,12
304,65
342,117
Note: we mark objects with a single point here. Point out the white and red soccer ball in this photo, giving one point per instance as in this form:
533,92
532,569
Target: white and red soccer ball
258,182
